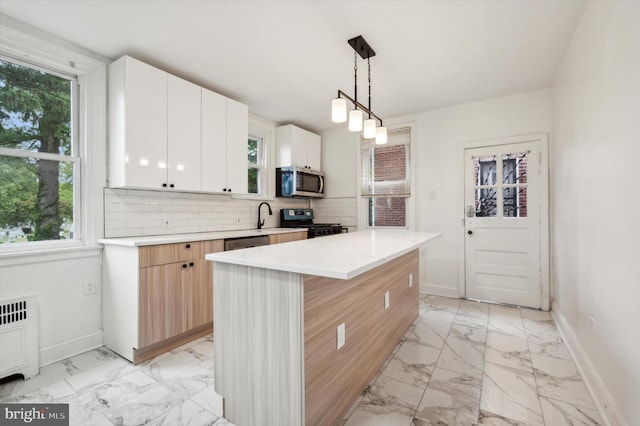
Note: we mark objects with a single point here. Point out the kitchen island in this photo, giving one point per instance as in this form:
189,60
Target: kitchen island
301,328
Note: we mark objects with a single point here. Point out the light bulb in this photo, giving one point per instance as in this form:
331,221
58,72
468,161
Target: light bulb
338,110
381,135
369,128
355,120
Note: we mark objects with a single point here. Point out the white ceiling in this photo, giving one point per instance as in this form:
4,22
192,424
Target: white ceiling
287,59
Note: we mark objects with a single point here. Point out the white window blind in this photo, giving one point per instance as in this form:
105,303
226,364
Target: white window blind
385,168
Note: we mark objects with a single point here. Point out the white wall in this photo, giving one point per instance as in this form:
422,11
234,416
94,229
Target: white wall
439,134
340,166
69,322
595,154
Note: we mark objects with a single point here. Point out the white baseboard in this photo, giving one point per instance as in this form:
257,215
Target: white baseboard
67,349
596,386
439,290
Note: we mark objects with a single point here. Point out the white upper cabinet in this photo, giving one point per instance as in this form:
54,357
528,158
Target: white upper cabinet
168,133
137,125
214,142
298,147
225,130
237,147
183,124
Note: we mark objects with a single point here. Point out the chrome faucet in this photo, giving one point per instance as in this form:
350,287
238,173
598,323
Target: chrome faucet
261,223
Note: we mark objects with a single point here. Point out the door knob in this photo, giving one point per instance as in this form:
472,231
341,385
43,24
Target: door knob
469,232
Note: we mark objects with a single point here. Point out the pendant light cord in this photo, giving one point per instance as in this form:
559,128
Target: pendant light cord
369,73
355,77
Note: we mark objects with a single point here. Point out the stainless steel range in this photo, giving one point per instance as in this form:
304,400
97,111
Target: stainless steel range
303,218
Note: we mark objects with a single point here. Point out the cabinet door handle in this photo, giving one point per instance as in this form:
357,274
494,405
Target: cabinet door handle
191,264
164,185
172,185
188,246
229,189
184,266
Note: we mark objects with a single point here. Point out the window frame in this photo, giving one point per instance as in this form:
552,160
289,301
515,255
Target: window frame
73,156
26,45
261,128
260,165
364,200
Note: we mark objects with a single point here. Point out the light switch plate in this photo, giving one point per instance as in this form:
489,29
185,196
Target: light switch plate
340,336
386,299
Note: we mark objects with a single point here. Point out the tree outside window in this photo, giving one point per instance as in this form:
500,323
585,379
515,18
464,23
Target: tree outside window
37,162
256,164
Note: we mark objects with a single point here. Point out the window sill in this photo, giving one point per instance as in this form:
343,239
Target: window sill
46,253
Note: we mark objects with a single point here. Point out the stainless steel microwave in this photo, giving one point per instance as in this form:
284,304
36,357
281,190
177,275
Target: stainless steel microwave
295,181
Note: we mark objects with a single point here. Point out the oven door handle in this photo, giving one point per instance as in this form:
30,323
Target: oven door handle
321,185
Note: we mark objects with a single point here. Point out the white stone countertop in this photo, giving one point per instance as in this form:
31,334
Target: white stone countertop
196,236
341,256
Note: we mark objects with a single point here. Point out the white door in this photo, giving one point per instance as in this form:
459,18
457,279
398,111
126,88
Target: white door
502,193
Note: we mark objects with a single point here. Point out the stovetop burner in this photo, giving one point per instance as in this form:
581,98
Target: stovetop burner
303,218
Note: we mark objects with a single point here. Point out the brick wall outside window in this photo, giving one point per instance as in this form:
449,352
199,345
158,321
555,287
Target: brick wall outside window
390,166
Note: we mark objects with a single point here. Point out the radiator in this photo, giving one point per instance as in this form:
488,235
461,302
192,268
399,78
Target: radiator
19,336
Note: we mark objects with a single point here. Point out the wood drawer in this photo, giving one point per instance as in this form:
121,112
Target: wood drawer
169,253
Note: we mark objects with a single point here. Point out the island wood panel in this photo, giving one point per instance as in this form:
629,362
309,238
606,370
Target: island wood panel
289,236
334,378
162,254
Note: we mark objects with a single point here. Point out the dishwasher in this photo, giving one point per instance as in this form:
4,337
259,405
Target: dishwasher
245,242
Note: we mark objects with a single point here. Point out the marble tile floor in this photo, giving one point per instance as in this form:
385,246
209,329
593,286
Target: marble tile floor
461,363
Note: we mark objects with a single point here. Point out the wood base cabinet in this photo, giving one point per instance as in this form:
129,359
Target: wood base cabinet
157,297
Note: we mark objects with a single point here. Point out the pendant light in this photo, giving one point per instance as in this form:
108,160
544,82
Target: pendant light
339,105
355,120
338,110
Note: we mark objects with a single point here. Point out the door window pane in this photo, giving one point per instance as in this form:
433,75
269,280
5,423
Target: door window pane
514,168
486,202
485,169
515,202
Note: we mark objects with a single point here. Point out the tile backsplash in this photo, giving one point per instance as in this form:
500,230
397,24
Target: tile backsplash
133,213
336,210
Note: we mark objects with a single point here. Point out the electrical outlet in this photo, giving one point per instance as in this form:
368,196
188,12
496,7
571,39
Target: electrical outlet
386,300
89,288
410,280
166,222
340,336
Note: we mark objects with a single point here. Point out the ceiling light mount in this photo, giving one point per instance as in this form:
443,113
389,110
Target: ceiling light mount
339,105
361,46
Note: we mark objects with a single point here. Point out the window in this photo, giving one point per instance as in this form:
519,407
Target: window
39,165
256,171
514,185
385,179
